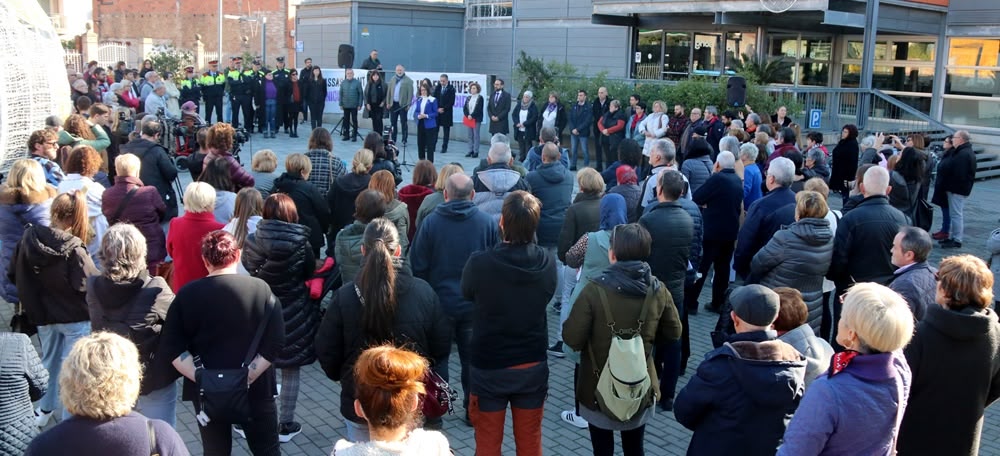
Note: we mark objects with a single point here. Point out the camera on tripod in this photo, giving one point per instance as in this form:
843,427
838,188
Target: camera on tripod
391,151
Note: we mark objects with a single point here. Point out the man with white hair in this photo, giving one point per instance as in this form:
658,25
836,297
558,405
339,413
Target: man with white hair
663,156
721,198
752,178
862,247
497,180
956,173
157,99
764,217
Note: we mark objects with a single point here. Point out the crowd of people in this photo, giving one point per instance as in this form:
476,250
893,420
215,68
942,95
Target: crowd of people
835,334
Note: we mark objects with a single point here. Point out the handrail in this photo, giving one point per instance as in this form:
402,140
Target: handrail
912,111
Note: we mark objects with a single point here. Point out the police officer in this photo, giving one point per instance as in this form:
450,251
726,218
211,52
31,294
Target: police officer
190,87
239,95
213,88
254,77
283,82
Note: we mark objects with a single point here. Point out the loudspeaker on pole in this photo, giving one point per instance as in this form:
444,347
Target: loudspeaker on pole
345,56
736,92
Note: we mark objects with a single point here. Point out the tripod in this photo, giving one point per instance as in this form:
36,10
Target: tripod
339,128
390,145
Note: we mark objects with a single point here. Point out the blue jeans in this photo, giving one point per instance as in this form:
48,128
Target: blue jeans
57,340
578,141
462,332
160,404
956,204
270,111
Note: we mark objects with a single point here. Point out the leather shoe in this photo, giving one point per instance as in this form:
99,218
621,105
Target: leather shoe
940,236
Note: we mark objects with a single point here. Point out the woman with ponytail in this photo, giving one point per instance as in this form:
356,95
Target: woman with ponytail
385,304
279,253
246,216
50,268
388,386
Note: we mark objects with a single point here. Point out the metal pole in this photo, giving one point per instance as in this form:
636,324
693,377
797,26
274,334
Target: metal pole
513,37
220,31
263,41
867,62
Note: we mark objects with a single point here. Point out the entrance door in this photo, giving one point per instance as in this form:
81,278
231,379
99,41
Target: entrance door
708,59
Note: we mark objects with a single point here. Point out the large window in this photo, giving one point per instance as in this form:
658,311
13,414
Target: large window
904,68
661,54
489,9
809,58
972,83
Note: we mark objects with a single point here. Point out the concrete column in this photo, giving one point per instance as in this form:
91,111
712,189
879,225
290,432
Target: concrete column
199,54
146,47
90,44
940,71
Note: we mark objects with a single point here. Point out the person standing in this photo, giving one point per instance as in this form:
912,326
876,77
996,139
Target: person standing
397,100
24,381
156,169
270,91
612,131
426,115
190,87
722,200
580,119
677,125
956,173
197,221
238,308
352,98
283,82
473,110
499,108
25,200
445,239
375,100
845,161
310,204
239,94
43,146
600,107
213,85
372,62
305,75
915,280
315,95
130,201
525,120
444,92
510,286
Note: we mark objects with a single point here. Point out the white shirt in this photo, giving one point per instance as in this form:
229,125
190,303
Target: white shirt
473,99
95,193
549,117
522,117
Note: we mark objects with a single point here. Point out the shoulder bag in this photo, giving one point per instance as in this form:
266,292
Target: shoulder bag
224,394
121,206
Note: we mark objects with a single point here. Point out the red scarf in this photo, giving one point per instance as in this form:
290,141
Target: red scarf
841,360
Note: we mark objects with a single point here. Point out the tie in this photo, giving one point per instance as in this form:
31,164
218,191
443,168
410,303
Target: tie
497,100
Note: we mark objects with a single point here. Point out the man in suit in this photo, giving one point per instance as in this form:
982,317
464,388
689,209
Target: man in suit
600,107
304,77
499,108
398,99
445,95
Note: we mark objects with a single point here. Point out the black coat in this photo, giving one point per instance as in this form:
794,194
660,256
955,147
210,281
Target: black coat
956,172
375,95
955,360
277,253
341,197
530,132
845,163
156,169
672,230
863,243
135,309
313,211
315,91
50,269
500,110
477,112
419,325
722,198
446,100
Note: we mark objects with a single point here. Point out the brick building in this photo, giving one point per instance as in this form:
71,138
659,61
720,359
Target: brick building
177,22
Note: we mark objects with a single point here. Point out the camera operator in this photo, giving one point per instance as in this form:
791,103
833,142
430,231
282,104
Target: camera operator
385,155
221,137
156,169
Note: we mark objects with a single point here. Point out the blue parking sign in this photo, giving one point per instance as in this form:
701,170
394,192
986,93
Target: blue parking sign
815,118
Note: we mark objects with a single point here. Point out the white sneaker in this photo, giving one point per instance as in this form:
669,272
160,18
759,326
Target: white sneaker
42,419
573,419
239,431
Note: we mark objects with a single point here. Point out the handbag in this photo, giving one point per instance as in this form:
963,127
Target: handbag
121,206
166,270
224,394
923,213
20,323
439,397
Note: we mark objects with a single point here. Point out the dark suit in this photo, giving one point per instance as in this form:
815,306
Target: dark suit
445,96
598,110
499,107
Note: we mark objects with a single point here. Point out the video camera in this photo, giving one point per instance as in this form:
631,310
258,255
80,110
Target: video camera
391,151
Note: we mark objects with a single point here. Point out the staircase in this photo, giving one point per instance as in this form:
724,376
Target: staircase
987,163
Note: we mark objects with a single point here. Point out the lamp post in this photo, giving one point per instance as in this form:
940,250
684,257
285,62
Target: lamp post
220,58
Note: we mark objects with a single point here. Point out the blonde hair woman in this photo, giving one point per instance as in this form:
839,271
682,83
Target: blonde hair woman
24,199
345,189
100,383
262,168
855,408
313,211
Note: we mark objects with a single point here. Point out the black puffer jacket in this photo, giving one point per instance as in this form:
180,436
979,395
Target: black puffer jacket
340,200
863,242
313,211
156,170
23,379
279,254
798,257
671,229
50,269
420,325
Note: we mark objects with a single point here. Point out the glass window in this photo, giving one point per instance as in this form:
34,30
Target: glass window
856,49
784,46
974,52
676,54
978,113
739,44
707,56
814,73
961,81
893,78
914,51
649,47
817,48
491,9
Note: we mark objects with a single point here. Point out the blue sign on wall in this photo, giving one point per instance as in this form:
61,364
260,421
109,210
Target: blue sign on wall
815,118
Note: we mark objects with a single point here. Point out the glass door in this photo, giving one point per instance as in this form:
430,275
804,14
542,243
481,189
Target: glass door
708,55
647,54
676,55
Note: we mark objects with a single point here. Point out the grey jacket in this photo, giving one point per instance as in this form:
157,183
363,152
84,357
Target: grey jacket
798,256
351,94
918,286
23,379
347,250
816,350
405,92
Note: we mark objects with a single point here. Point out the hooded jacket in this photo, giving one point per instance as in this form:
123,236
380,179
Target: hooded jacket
399,214
347,249
278,253
419,324
313,211
156,170
743,396
17,211
448,236
341,197
135,309
50,269
798,257
816,350
413,196
553,185
863,243
493,184
955,360
510,287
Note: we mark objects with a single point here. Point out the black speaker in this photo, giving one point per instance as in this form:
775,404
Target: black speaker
736,92
345,56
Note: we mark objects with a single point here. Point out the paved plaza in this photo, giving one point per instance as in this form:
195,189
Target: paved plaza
319,398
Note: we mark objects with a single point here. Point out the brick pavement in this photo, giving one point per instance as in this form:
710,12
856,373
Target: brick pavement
319,398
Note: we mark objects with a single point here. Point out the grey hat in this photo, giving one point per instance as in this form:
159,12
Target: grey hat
755,304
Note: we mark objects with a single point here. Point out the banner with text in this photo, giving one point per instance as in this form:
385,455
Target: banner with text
460,81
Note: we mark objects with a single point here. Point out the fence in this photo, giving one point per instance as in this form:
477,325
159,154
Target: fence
111,52
73,60
206,57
